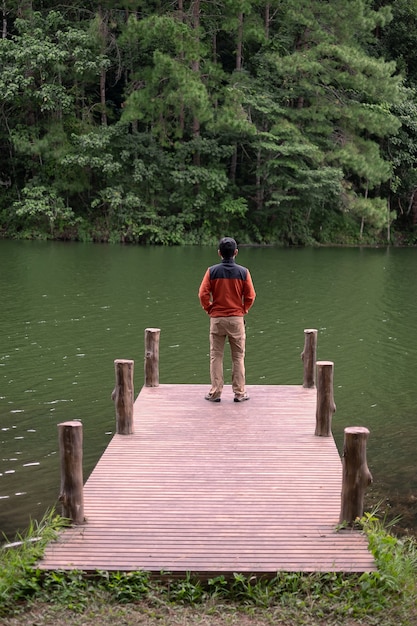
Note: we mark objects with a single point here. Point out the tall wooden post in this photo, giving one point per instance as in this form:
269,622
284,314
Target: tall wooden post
356,474
308,356
70,437
152,336
123,395
325,399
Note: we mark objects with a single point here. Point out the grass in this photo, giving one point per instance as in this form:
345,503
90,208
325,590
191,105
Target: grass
387,597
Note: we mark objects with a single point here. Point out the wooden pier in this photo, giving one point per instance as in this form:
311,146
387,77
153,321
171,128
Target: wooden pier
215,488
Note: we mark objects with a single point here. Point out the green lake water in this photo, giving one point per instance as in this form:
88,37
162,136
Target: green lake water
68,310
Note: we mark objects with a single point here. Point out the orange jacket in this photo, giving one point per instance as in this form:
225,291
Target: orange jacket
227,290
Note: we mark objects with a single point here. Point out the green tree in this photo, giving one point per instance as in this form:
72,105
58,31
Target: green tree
42,65
337,97
168,122
397,42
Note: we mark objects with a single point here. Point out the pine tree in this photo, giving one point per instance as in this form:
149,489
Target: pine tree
335,95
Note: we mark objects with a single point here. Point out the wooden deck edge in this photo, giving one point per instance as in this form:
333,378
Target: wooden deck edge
155,408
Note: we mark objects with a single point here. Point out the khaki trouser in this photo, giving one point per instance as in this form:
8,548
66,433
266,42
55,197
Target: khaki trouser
234,329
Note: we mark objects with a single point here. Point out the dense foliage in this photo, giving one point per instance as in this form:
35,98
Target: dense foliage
284,121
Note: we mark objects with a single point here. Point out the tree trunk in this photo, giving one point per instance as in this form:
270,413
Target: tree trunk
103,97
103,75
238,66
267,19
361,228
4,23
239,46
259,193
196,68
181,120
24,9
412,207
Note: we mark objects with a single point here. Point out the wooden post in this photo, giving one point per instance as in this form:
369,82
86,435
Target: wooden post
70,436
123,396
152,336
356,475
325,399
308,357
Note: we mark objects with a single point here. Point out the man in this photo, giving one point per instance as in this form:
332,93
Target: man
226,293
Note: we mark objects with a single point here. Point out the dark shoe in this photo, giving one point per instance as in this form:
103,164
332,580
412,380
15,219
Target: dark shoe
212,398
241,398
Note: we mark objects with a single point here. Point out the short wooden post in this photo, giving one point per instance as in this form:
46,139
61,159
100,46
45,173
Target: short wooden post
123,396
308,357
356,475
152,336
70,436
325,399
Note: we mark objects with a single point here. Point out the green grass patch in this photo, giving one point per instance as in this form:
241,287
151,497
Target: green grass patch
387,596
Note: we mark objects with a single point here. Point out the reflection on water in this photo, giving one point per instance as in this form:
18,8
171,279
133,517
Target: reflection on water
69,310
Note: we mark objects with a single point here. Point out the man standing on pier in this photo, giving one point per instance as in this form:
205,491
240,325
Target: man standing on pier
226,293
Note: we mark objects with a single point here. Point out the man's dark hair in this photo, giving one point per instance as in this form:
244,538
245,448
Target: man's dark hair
227,247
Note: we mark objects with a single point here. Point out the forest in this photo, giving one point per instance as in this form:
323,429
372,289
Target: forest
286,122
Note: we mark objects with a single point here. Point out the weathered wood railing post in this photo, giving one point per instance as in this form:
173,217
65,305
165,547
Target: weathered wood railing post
123,395
356,475
70,436
152,336
308,356
325,399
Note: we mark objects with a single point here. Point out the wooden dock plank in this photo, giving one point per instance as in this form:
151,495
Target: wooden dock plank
215,488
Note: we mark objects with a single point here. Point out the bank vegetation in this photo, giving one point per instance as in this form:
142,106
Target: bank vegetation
290,122
387,596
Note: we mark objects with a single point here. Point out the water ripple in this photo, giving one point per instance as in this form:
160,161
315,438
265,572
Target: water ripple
69,310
